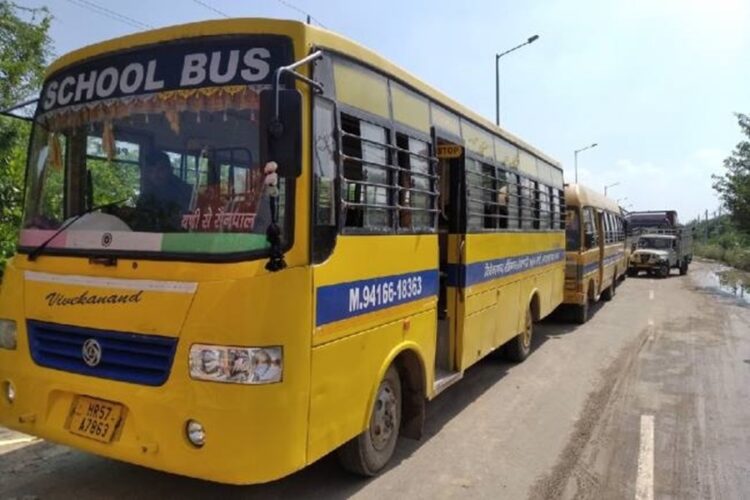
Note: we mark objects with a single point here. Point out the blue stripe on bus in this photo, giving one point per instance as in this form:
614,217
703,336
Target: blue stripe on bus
354,298
593,266
462,275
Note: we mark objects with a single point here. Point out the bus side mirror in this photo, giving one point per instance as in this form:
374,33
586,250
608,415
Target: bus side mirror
281,136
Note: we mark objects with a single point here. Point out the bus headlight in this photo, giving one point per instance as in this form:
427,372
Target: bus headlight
238,365
8,332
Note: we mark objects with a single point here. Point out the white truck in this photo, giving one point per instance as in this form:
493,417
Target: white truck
658,243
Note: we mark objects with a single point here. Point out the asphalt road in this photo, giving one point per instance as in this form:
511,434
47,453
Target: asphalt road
647,400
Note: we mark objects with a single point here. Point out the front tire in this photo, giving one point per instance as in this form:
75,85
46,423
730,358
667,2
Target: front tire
368,453
519,347
684,267
632,272
664,270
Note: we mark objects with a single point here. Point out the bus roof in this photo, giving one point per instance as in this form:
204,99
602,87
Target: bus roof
581,196
314,36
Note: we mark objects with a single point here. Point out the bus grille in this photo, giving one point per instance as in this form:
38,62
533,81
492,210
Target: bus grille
127,357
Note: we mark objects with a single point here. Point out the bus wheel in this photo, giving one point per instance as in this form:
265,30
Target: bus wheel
519,347
609,293
368,453
582,312
632,272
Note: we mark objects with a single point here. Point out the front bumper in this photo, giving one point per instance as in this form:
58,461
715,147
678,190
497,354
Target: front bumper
252,436
646,266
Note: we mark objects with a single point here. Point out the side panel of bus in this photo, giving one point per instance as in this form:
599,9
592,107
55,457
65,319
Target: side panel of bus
530,267
356,336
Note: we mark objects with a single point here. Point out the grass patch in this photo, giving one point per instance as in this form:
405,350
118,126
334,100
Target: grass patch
736,257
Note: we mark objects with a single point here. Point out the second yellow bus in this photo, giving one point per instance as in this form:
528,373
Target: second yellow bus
595,249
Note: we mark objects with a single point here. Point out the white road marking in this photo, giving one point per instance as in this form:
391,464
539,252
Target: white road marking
644,484
11,442
650,330
650,295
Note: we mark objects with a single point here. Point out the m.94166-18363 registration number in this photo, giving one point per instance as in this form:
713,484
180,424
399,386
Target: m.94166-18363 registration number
94,418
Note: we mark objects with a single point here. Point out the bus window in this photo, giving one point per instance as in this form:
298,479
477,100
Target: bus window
555,208
324,175
611,236
503,200
543,221
480,190
605,227
590,231
490,196
572,230
526,190
509,191
366,175
324,163
416,185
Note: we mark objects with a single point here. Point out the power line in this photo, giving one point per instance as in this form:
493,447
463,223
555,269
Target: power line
104,11
117,14
27,9
212,8
294,7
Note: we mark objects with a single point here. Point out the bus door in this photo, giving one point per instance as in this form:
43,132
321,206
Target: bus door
451,245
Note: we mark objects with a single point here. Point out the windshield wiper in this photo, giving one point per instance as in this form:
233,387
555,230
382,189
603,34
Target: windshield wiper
36,252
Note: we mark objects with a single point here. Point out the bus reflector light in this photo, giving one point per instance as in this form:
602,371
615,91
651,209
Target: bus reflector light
238,365
10,391
8,334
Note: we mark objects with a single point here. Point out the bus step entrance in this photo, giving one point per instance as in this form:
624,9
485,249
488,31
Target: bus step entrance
443,346
445,379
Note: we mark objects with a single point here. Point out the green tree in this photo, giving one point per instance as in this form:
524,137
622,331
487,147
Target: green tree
734,186
24,48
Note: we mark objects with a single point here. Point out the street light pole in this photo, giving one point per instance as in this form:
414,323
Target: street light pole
531,39
575,156
609,186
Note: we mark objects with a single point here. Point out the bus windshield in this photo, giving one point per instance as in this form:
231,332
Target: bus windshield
162,145
181,173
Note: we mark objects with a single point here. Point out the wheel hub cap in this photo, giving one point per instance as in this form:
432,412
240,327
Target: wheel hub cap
383,424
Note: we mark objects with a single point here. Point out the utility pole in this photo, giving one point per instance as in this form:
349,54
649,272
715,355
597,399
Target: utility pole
706,226
528,41
575,156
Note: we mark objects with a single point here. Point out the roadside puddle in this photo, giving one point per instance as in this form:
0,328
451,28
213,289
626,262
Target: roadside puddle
735,282
728,281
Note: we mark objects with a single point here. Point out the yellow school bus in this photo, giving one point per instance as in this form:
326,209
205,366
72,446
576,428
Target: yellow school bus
595,248
247,243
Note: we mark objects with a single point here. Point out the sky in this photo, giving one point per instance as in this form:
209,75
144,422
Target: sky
655,83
